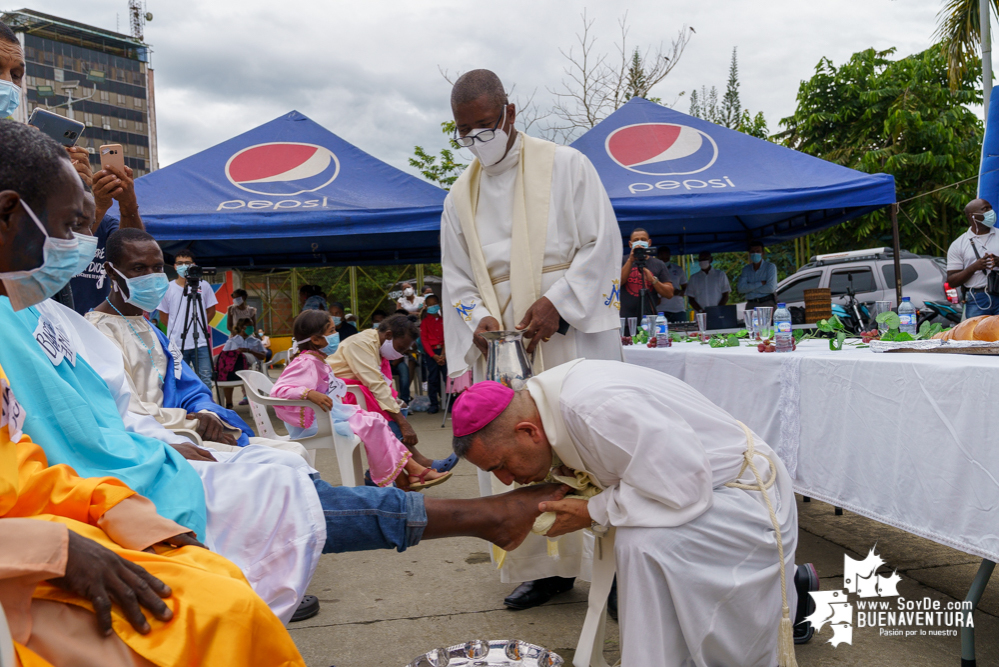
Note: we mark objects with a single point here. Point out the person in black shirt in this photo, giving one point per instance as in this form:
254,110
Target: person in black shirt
657,283
343,327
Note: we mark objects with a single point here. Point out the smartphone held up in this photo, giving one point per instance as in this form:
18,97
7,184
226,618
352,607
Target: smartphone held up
64,130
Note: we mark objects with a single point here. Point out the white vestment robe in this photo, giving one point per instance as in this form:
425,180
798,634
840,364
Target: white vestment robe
143,373
582,270
264,512
697,566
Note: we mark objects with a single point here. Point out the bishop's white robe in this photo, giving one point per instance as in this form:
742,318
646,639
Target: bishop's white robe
697,564
264,512
582,270
143,373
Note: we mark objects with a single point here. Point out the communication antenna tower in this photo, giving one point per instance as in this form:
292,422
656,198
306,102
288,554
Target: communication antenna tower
138,16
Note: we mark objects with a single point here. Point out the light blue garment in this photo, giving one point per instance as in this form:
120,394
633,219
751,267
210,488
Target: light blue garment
145,292
73,417
10,98
751,281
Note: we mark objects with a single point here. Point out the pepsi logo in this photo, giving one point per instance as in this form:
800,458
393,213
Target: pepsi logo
282,168
661,149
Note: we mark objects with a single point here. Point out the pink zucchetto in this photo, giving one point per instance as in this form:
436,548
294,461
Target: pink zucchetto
478,406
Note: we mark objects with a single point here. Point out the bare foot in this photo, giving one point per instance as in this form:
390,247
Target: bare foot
513,513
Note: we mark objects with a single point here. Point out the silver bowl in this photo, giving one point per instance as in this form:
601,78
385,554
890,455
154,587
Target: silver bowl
479,652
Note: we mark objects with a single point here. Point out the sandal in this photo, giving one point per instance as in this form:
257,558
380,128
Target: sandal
422,484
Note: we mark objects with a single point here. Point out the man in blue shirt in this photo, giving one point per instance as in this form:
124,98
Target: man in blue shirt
91,286
758,280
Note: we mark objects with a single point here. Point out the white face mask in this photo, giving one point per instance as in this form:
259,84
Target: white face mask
238,301
705,264
389,352
408,291
492,151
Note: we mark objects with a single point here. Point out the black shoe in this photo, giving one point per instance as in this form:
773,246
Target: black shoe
612,600
433,410
806,579
533,593
307,608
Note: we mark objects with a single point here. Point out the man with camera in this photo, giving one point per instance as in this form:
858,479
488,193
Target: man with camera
180,320
642,268
971,260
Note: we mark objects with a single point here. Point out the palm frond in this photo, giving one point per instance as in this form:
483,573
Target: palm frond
959,32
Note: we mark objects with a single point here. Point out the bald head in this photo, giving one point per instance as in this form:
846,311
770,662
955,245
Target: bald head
475,84
513,446
974,210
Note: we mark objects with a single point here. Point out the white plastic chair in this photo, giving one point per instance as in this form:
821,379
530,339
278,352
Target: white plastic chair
278,358
348,449
6,643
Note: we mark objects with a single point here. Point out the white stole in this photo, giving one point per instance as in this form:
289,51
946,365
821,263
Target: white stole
531,201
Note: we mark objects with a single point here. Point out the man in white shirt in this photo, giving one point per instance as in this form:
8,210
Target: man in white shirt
708,287
174,308
673,307
971,257
409,302
693,511
529,241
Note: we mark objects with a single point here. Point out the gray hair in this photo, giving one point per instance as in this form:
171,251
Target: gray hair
477,83
464,443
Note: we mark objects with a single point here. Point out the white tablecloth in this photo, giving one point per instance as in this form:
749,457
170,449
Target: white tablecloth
910,440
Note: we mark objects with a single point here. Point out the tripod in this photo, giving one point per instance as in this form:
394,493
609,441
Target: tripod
194,315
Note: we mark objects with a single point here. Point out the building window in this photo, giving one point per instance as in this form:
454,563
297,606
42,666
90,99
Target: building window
88,118
140,127
122,123
121,100
138,102
105,96
140,150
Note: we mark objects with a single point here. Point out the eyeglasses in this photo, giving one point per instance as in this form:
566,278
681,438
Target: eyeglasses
485,135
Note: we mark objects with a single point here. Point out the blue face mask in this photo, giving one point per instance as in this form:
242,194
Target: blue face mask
989,219
10,98
433,310
336,321
60,262
755,257
182,270
640,244
145,292
332,343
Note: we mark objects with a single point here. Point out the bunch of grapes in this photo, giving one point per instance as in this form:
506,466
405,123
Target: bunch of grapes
625,340
868,336
653,342
767,345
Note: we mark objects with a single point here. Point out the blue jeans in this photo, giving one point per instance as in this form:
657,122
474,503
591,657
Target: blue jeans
980,303
204,366
364,518
403,369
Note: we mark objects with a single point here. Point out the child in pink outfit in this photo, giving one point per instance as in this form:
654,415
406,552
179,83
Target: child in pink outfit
307,377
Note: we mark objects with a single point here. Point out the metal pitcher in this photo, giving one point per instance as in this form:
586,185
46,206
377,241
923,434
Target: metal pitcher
507,361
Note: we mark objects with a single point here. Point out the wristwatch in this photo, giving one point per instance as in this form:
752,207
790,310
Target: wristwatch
598,530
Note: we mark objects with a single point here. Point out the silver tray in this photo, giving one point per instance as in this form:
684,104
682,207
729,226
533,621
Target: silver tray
479,652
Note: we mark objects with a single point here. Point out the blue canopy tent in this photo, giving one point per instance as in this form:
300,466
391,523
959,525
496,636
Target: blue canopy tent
291,193
698,186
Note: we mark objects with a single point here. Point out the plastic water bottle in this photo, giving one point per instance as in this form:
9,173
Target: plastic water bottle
662,331
783,338
907,317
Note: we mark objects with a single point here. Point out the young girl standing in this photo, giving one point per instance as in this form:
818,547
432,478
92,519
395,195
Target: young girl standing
307,377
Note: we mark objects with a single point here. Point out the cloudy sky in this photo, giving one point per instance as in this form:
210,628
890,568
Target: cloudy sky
369,71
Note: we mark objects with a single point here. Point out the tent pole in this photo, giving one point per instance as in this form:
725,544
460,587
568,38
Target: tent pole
898,253
419,279
294,293
985,32
353,293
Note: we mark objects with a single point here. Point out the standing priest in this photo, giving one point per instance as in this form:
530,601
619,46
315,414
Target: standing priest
694,512
529,241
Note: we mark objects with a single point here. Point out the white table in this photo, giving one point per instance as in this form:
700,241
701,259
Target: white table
905,439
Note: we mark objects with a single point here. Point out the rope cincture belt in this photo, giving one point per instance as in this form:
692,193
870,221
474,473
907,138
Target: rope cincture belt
785,635
548,269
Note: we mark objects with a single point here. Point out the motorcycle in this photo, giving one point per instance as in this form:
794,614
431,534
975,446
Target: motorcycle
939,311
855,315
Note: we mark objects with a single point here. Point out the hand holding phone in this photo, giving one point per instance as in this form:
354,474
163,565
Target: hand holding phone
112,155
64,130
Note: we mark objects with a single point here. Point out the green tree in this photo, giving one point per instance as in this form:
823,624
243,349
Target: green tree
899,117
705,105
730,112
444,172
960,33
755,126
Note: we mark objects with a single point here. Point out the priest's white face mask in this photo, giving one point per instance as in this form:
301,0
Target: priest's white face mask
490,151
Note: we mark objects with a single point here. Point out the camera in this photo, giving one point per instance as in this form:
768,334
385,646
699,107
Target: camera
643,254
196,273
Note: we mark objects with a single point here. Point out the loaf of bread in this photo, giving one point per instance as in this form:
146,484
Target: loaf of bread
966,330
988,329
941,336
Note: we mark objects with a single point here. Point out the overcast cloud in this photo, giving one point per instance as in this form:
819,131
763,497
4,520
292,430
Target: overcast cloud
368,71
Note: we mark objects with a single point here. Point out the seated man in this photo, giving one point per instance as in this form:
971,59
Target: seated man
70,542
162,385
695,500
